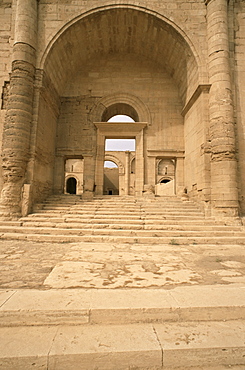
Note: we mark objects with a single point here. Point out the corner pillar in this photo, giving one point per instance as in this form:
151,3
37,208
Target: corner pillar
224,188
100,158
127,172
88,176
139,164
17,126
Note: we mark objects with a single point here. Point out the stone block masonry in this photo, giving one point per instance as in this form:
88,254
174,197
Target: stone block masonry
176,67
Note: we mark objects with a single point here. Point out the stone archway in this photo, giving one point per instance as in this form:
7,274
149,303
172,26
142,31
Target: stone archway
72,83
71,185
111,57
122,170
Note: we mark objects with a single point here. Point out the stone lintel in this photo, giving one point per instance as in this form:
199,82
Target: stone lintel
199,90
122,129
166,153
72,154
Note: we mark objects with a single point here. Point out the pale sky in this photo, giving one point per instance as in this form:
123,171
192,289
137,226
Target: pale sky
119,144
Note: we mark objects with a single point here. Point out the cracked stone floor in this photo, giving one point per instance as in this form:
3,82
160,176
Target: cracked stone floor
107,265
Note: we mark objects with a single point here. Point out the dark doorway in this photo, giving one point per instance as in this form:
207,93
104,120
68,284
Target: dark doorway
71,186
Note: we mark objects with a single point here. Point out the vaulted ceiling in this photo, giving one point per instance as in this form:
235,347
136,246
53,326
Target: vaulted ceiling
121,31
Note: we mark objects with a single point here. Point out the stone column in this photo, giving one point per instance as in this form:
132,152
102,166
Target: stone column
100,158
127,172
88,176
179,176
151,171
59,175
139,164
17,126
224,192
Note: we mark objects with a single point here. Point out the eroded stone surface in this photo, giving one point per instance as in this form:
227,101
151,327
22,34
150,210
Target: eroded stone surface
43,265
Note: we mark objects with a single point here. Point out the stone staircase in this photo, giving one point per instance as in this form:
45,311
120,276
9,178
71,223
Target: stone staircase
186,327
67,218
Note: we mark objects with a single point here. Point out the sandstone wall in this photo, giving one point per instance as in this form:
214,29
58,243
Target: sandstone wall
6,32
239,24
86,61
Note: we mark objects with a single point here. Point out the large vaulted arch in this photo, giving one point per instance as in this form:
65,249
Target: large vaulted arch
106,60
122,30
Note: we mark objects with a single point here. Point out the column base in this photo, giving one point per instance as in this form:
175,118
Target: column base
9,214
229,215
88,195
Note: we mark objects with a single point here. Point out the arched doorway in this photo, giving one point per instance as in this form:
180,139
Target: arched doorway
134,74
111,178
71,185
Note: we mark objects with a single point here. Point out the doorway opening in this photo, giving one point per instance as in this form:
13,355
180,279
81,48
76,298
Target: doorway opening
120,144
111,178
74,168
71,185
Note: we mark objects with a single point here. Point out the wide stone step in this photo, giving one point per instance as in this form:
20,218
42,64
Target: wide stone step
84,216
122,214
92,206
27,307
159,223
198,327
121,204
78,225
79,221
131,233
121,347
132,225
91,238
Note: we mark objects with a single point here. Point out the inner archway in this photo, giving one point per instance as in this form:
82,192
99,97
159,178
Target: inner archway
115,62
111,178
71,185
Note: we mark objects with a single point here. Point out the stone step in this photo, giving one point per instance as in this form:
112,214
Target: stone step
132,225
187,327
131,233
89,225
71,238
121,205
119,215
136,346
70,219
105,208
29,307
92,206
84,216
151,222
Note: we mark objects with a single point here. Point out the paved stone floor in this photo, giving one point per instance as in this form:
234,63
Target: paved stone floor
97,265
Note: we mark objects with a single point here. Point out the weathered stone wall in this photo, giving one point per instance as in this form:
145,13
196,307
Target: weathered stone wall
6,30
239,24
111,181
156,51
44,139
197,157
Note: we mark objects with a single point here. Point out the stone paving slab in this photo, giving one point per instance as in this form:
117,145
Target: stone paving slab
120,347
42,265
212,343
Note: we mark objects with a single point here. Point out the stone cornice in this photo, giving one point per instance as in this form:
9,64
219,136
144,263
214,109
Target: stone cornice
208,1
